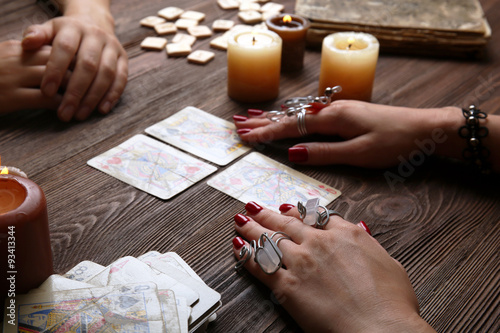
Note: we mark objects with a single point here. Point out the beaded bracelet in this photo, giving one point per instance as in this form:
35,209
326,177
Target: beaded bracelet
475,152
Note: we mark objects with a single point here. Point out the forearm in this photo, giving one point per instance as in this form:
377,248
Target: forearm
448,122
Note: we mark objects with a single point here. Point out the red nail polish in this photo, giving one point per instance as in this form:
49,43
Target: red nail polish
253,208
243,130
239,118
238,243
254,112
364,226
298,154
286,207
241,219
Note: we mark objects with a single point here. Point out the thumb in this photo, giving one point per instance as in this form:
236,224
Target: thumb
37,35
325,153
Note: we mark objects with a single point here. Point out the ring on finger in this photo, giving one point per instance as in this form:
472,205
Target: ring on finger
301,123
314,214
268,255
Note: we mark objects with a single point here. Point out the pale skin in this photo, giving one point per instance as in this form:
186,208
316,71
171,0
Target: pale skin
84,42
373,135
339,279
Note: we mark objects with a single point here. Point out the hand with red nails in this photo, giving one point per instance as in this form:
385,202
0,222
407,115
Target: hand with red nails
369,135
84,42
339,279
21,75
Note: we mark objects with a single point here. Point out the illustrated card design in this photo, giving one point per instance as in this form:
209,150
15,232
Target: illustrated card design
152,166
202,134
126,308
265,181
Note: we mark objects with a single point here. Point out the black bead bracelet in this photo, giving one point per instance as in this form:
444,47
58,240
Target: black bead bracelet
473,132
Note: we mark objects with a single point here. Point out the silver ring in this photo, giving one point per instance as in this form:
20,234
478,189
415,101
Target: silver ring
301,123
245,254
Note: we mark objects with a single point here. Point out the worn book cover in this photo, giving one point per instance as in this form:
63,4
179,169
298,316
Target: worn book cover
408,26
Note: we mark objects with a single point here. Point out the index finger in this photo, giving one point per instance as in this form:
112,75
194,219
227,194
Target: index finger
64,48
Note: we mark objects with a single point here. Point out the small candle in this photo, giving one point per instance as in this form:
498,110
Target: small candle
349,59
24,236
253,66
292,29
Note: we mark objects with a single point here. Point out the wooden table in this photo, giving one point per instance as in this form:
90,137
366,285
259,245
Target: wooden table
440,223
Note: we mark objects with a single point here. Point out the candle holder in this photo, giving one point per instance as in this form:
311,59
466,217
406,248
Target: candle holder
293,30
25,241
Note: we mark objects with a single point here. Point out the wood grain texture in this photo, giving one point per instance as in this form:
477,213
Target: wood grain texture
441,223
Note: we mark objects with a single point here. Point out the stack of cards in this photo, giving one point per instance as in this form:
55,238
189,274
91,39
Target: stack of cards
153,293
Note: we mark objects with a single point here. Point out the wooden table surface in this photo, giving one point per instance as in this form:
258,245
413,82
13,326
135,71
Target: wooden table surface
441,223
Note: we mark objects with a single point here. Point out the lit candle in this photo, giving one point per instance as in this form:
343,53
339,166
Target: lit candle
253,66
349,59
292,29
24,236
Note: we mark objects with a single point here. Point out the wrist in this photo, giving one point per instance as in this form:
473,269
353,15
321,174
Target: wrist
411,324
446,124
92,11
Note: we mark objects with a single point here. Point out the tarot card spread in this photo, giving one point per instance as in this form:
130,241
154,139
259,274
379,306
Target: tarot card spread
152,166
201,134
259,178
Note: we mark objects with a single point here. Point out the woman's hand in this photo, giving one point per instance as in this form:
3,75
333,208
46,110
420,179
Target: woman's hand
21,74
373,135
82,40
339,279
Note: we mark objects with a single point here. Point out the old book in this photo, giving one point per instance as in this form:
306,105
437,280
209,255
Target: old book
430,27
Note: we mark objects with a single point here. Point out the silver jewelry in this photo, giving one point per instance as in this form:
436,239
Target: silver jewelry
301,123
245,254
314,214
297,105
268,255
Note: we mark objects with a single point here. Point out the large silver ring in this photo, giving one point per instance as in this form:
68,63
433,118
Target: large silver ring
268,255
314,214
301,123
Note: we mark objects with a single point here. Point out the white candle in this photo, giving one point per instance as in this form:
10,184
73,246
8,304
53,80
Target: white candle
253,66
349,59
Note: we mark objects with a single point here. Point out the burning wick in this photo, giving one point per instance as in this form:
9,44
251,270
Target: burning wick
253,40
350,41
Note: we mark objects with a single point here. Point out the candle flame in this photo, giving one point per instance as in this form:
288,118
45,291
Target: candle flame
4,171
350,41
287,19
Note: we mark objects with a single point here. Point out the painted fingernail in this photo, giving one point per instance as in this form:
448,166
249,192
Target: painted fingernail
253,208
286,207
364,226
298,154
50,89
243,130
241,219
67,113
254,112
238,243
239,118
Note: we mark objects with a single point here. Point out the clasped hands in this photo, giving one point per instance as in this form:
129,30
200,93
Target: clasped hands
70,64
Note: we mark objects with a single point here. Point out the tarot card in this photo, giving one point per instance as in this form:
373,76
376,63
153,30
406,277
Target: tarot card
202,134
120,308
152,166
59,283
173,259
129,269
209,300
259,178
169,310
84,271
